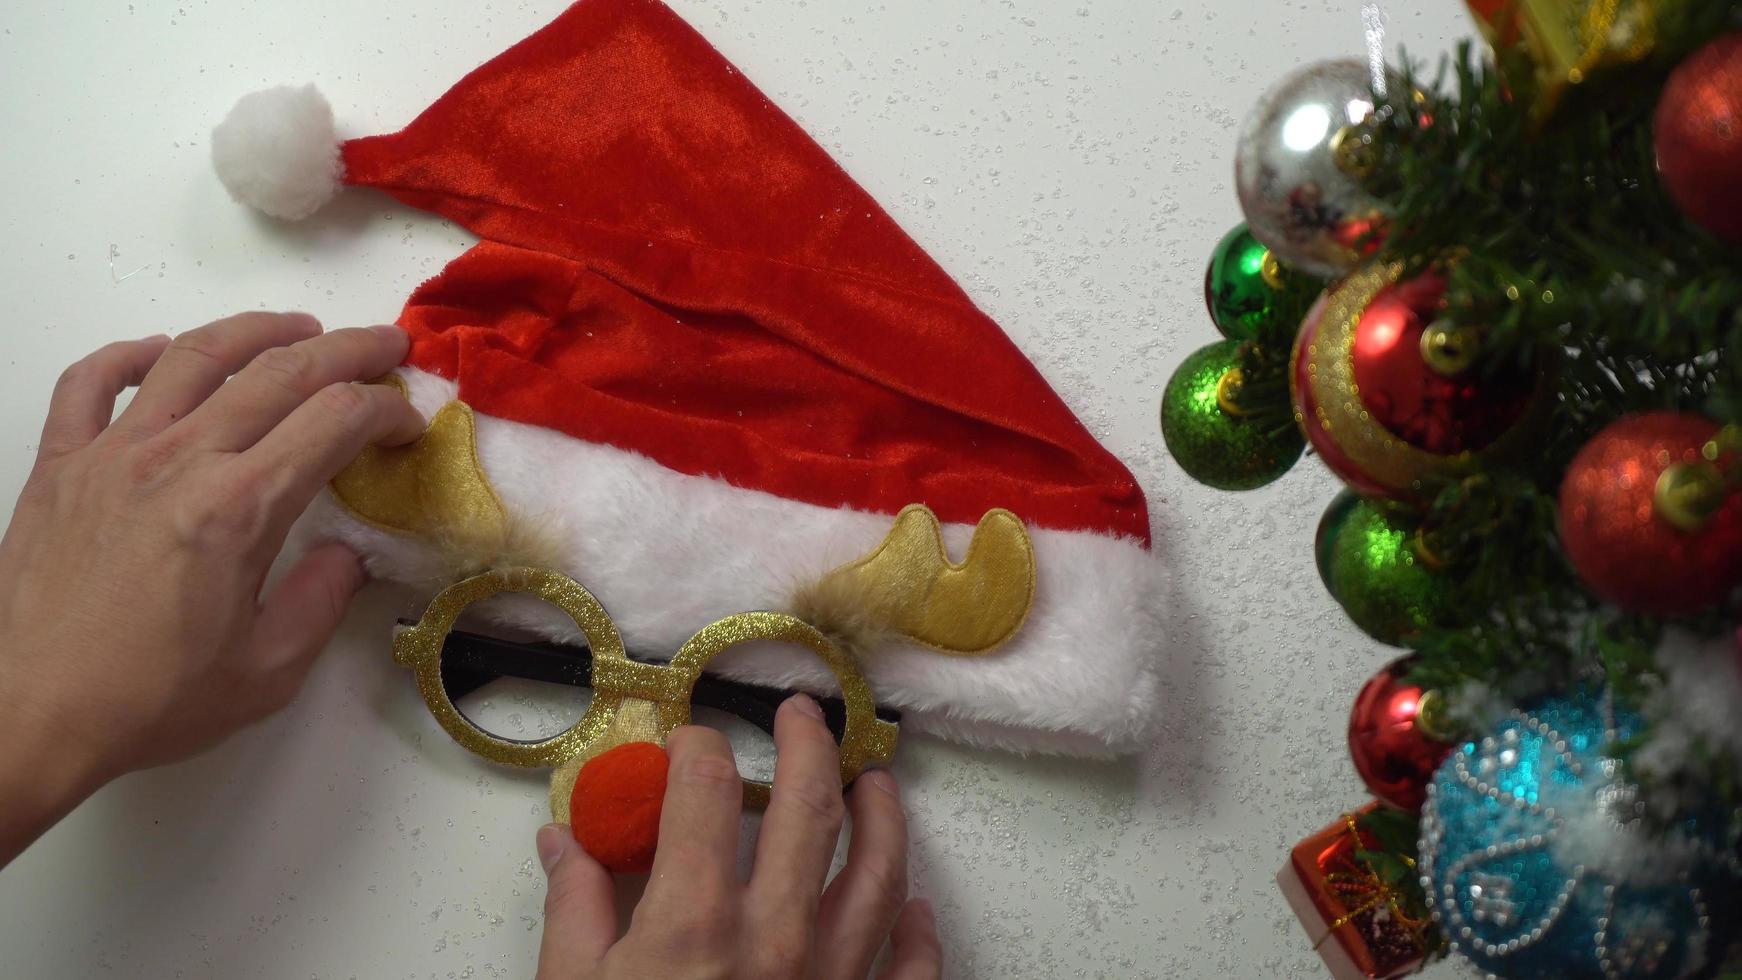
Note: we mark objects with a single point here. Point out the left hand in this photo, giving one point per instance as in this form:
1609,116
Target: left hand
133,631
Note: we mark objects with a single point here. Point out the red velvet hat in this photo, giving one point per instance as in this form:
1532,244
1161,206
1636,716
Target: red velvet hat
710,371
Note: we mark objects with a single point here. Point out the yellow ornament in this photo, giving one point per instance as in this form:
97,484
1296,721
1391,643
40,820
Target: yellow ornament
1570,40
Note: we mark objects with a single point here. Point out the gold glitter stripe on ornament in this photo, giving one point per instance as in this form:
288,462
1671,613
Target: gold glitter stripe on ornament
632,701
908,585
433,488
1383,457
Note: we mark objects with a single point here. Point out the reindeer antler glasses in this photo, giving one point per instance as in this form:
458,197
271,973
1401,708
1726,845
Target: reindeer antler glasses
633,700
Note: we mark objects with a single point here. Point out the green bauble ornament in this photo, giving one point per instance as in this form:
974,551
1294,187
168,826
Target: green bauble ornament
1335,517
1210,436
1373,566
1242,284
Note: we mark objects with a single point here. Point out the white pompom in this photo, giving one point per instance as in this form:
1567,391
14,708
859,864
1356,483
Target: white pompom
277,151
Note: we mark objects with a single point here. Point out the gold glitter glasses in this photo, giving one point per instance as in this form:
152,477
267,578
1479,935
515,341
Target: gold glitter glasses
632,700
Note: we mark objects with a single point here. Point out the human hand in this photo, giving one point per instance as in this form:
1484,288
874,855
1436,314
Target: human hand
697,921
132,628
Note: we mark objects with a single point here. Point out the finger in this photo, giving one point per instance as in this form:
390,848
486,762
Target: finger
860,905
697,858
84,398
280,381
580,908
300,613
803,823
914,950
320,438
197,362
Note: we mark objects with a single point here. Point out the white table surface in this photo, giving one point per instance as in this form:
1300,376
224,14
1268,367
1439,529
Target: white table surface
1069,162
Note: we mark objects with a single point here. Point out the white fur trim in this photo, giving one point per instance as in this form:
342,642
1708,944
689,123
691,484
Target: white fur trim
277,151
668,553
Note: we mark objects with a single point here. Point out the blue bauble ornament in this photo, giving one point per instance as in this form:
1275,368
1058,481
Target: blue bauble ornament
1536,865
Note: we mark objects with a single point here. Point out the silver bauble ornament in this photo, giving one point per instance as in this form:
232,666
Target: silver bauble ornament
1298,167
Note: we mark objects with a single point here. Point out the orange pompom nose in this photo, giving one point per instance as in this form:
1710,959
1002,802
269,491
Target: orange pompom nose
615,806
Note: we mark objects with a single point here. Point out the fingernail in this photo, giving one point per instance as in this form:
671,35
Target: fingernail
389,330
881,779
551,845
803,702
155,337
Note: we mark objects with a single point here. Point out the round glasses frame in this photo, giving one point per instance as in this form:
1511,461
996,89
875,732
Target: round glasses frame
616,678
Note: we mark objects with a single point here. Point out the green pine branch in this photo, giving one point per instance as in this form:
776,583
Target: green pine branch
1560,244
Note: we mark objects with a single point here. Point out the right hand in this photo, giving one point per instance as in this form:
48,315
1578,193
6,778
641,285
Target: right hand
697,921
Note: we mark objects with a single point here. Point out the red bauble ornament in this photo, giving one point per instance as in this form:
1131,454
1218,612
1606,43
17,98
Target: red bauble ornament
1616,536
1386,409
1697,133
1443,414
616,804
1395,757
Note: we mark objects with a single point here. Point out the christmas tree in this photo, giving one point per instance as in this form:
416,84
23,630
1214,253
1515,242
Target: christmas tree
1502,300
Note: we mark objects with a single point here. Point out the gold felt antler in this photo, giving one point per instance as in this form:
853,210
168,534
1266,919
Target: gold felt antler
909,586
433,488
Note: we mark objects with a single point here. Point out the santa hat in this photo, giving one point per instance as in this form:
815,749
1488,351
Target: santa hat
702,372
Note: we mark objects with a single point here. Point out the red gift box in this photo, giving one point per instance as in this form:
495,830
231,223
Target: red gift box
1356,919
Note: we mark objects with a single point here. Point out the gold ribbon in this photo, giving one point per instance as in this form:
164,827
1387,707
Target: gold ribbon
1599,32
1568,40
1372,892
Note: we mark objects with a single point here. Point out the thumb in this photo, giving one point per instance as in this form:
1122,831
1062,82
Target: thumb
299,615
580,910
